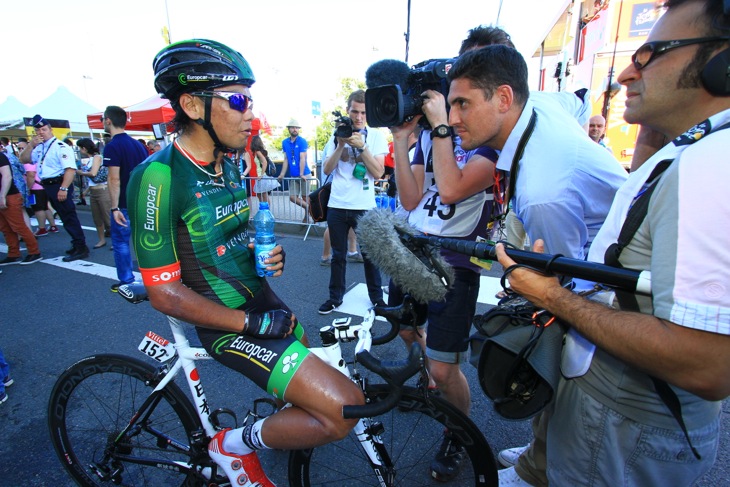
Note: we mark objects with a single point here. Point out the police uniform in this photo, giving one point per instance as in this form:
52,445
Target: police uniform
52,158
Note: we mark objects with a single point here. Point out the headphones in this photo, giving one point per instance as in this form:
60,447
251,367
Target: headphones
716,73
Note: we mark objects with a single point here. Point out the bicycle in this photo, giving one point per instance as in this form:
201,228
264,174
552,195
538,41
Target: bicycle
118,420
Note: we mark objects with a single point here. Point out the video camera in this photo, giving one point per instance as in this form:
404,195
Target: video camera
391,105
343,124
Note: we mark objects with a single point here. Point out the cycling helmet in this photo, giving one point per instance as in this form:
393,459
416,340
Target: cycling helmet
198,65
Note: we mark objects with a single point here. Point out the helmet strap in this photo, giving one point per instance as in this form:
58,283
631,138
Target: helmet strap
219,147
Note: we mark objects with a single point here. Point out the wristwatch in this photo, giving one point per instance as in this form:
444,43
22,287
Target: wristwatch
115,209
442,132
61,188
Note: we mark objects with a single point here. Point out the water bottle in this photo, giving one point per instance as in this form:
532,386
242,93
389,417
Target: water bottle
265,239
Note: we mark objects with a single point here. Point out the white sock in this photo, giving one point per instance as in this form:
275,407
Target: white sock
243,441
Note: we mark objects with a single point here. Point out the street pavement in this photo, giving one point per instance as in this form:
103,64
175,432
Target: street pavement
53,314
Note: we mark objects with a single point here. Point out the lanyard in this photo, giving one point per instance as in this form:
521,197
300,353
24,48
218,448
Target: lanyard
45,152
518,153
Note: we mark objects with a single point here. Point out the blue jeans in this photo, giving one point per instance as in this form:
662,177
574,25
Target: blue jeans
122,251
4,371
339,223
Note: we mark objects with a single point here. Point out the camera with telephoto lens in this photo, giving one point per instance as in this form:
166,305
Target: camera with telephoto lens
344,126
391,105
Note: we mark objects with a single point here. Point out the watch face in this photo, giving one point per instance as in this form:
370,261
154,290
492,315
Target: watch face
442,131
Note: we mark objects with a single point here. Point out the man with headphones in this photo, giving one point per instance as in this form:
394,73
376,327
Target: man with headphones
646,409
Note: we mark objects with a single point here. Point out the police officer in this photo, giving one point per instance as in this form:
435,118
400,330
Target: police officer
56,167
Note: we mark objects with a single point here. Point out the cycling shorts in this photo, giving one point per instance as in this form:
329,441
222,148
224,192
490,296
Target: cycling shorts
269,363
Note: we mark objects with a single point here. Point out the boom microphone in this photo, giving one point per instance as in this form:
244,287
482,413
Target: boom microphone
419,270
387,72
395,246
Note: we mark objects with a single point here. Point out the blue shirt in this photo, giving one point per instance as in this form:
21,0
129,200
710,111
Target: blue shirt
566,182
293,151
125,153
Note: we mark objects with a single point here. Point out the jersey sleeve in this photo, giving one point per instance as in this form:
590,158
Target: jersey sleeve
152,213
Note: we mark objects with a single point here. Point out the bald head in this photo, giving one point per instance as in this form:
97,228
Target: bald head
596,127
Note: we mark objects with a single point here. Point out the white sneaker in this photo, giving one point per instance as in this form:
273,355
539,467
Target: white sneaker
509,477
508,457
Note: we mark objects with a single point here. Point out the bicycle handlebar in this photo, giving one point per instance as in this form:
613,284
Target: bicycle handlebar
396,315
394,373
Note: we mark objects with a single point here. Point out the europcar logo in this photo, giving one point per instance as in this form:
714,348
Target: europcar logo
182,79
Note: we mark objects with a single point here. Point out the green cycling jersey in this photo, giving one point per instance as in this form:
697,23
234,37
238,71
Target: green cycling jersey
189,225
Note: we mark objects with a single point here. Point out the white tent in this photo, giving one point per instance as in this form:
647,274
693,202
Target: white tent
13,109
64,105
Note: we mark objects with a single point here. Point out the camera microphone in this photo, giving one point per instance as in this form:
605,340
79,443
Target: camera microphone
382,234
387,72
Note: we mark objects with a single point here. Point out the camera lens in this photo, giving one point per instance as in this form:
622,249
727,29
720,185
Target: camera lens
384,106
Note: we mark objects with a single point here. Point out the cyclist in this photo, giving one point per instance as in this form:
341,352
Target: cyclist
189,215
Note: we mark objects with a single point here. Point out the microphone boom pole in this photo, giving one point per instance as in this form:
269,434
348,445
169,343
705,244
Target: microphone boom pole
625,279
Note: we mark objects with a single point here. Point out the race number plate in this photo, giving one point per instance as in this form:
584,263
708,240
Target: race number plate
156,347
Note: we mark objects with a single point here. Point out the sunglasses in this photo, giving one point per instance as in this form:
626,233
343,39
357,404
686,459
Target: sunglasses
237,101
651,50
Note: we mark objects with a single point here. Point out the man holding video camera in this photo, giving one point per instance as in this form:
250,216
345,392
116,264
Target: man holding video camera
354,156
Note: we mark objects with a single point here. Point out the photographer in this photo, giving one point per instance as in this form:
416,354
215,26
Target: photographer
354,162
447,192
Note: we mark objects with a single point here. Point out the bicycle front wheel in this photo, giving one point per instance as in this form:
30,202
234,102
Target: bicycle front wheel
95,399
412,434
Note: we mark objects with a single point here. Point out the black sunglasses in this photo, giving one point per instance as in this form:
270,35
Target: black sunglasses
236,101
651,50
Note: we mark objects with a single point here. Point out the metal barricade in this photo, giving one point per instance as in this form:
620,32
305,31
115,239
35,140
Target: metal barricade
286,204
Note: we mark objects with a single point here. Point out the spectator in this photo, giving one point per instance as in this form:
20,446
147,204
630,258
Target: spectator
57,170
597,130
121,155
5,379
295,162
355,162
41,206
261,156
101,203
11,219
153,146
667,348
19,177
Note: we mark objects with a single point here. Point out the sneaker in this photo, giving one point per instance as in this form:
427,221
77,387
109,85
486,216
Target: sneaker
53,229
243,470
79,253
3,397
8,381
447,463
325,261
10,261
70,250
41,232
356,257
508,457
31,259
509,477
328,307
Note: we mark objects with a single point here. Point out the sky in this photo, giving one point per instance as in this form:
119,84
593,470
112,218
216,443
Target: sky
299,50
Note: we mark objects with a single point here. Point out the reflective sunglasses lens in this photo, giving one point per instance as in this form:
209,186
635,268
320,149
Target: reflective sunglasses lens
238,102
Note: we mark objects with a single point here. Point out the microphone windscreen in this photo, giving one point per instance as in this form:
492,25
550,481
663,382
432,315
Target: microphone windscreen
377,232
387,72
